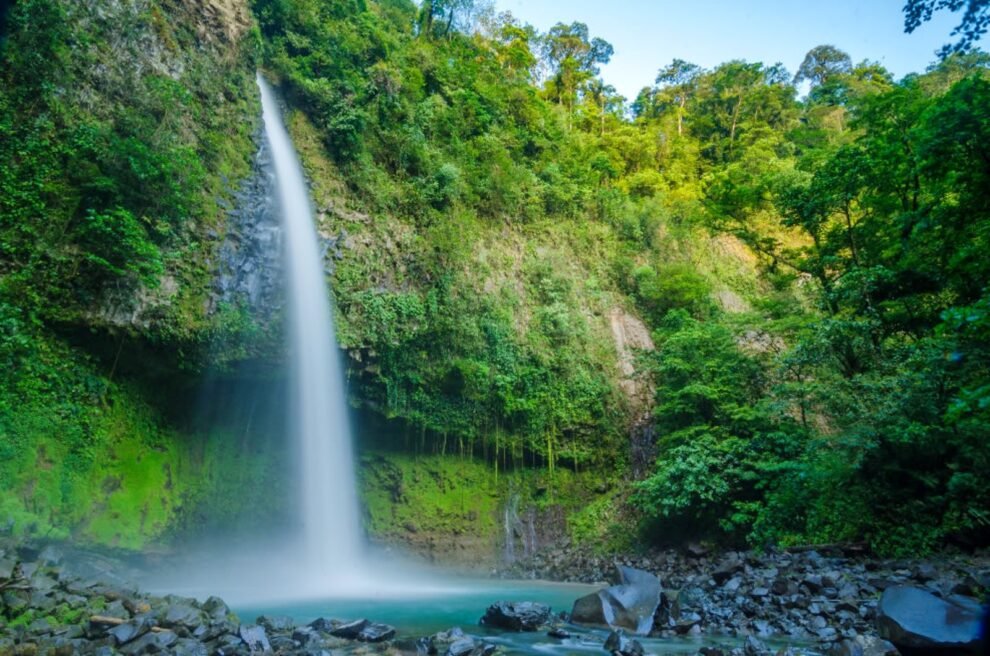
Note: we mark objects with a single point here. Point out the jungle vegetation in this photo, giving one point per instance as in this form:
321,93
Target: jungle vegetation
813,269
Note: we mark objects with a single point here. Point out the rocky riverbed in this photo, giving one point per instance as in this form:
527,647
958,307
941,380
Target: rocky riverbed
56,600
826,597
84,605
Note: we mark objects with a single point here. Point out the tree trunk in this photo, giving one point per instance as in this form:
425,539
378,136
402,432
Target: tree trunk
849,230
450,23
735,121
426,20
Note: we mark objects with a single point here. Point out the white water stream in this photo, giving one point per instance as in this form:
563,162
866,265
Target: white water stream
331,529
329,557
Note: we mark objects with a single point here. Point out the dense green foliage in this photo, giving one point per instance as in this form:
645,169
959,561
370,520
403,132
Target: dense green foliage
438,142
88,457
812,270
118,126
110,163
818,370
860,419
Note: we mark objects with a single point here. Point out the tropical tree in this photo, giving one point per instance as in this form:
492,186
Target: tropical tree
574,59
975,20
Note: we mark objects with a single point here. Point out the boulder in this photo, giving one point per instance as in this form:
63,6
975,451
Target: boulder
913,619
862,646
282,644
452,643
619,645
517,615
347,630
182,614
476,648
187,647
304,635
461,647
216,608
151,643
376,632
362,630
276,623
113,609
590,609
439,643
323,624
630,604
727,569
254,637
753,647
124,633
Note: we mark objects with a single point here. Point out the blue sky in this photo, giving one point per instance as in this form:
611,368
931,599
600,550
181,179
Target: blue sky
648,34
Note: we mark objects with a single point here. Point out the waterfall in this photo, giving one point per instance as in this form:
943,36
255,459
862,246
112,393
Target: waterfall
319,426
329,558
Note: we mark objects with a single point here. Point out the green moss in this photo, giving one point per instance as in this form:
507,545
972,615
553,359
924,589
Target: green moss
604,524
63,615
89,458
449,495
435,494
23,619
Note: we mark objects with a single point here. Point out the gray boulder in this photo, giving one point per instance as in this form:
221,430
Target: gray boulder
128,631
276,623
151,643
913,619
863,646
182,614
254,637
376,632
461,647
517,615
753,647
630,604
618,644
216,608
346,630
362,630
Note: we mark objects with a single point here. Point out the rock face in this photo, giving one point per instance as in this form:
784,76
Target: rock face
630,604
913,619
631,335
517,616
250,270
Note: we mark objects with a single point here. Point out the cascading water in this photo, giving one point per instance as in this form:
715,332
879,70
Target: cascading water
331,531
330,558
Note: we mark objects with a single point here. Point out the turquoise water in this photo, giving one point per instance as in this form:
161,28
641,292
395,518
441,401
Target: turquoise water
463,605
460,605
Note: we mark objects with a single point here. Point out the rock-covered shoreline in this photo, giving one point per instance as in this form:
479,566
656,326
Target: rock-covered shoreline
830,597
56,608
826,603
